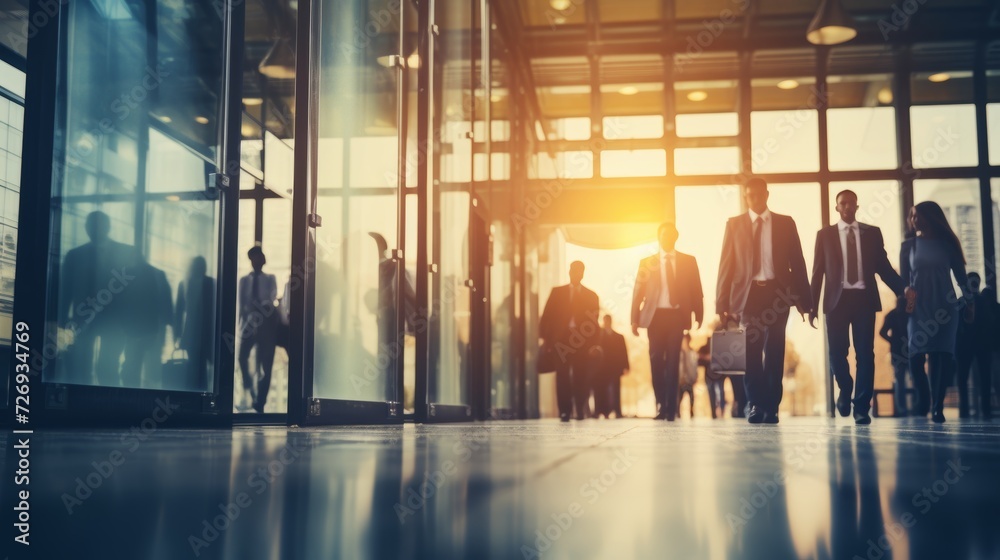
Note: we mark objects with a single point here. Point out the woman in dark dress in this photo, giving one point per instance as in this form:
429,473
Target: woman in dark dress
927,262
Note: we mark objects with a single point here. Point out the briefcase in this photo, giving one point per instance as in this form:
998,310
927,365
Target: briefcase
729,352
177,372
548,358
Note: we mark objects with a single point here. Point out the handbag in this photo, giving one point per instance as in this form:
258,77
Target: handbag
548,358
177,372
729,351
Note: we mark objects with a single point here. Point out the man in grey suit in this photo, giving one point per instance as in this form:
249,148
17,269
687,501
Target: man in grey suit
762,275
667,291
849,254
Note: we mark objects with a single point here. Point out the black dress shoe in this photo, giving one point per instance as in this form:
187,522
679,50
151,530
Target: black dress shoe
770,417
660,416
844,402
862,418
564,417
938,417
756,415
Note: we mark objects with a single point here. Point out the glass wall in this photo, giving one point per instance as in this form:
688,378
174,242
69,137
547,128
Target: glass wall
132,282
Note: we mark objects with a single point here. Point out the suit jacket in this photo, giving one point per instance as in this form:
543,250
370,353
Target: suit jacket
829,261
736,265
614,360
687,294
554,325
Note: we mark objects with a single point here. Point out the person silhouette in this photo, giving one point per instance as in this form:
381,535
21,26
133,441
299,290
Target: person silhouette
258,321
194,318
93,281
150,310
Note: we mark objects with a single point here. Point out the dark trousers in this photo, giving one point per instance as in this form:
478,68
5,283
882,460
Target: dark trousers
939,366
689,391
665,332
81,356
983,356
616,395
605,383
263,337
900,365
852,316
923,404
739,396
573,386
766,318
717,396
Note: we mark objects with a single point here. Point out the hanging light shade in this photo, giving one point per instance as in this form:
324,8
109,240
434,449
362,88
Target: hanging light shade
832,25
279,62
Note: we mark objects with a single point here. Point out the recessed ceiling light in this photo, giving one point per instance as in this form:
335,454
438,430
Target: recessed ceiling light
885,95
788,84
164,119
697,95
628,90
939,77
201,120
173,198
560,4
252,101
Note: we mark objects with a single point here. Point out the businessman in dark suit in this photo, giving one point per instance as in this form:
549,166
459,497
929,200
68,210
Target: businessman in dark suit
762,275
849,254
667,292
569,322
614,363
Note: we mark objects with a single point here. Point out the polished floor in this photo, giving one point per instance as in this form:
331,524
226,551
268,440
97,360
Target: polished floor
632,488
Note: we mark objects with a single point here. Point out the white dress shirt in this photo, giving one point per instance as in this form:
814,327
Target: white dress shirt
267,291
766,249
666,259
843,226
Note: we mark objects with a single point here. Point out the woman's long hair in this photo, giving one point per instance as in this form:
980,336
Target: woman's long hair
936,223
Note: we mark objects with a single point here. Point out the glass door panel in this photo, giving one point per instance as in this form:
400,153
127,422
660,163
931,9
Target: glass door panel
135,252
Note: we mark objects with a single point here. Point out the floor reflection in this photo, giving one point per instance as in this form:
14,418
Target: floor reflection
614,489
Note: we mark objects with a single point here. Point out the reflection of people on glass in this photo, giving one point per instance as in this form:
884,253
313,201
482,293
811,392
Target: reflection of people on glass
975,345
848,255
613,364
569,322
258,320
857,528
92,279
927,261
150,310
194,320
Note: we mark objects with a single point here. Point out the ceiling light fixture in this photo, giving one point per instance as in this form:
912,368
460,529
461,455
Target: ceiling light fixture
279,62
201,120
831,25
885,96
628,90
697,96
164,119
253,101
560,5
788,84
939,77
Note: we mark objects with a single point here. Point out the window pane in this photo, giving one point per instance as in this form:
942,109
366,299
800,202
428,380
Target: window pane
706,161
784,141
708,124
574,165
633,163
959,198
944,136
941,87
576,128
993,129
862,138
643,126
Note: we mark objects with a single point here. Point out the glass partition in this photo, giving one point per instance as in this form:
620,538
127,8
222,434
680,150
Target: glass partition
357,344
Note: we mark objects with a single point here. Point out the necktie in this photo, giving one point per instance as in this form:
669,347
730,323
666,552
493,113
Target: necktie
758,225
852,256
253,289
671,280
